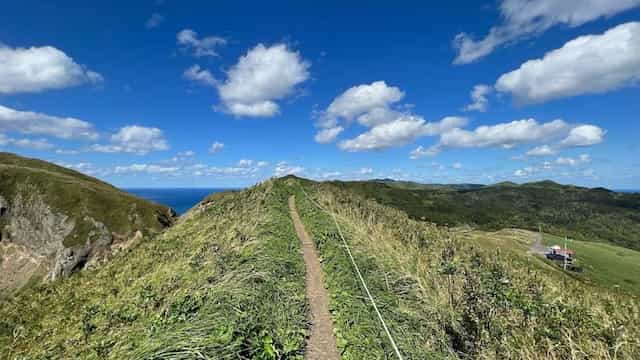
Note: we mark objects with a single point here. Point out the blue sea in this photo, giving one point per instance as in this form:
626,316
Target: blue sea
179,199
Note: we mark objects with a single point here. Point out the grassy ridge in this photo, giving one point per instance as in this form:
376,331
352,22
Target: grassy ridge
460,299
78,196
584,214
227,282
358,330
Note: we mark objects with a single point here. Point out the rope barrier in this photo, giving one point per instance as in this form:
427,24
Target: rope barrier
355,266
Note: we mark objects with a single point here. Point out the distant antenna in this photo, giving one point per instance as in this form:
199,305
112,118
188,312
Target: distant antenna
565,254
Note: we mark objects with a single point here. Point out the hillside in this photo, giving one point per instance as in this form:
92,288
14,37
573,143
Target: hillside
228,281
54,221
580,213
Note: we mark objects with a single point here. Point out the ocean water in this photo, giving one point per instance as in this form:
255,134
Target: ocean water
179,199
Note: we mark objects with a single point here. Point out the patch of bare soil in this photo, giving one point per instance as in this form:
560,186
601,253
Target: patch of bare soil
321,343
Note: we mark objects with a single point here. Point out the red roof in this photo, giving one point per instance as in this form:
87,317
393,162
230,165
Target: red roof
563,251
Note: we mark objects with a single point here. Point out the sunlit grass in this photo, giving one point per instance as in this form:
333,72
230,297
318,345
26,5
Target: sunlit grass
227,282
606,265
474,299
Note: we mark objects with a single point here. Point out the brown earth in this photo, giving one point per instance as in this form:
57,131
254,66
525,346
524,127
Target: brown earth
321,343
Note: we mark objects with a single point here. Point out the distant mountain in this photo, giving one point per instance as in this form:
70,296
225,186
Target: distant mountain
417,186
54,221
596,214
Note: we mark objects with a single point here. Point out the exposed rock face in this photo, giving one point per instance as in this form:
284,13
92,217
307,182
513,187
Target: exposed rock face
32,242
31,222
54,221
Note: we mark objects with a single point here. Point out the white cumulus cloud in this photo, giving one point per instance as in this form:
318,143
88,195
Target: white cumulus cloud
422,151
134,139
37,69
506,135
198,74
400,131
216,147
584,135
261,77
525,18
479,101
373,106
359,100
28,122
199,47
146,168
542,150
328,135
35,144
582,159
283,168
586,65
516,133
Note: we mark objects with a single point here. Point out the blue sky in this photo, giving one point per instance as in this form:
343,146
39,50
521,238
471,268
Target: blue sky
346,90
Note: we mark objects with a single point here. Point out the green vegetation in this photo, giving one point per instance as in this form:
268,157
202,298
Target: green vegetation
79,196
604,264
444,296
226,282
585,214
358,330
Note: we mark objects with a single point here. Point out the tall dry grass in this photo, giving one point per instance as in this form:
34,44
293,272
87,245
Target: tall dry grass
490,303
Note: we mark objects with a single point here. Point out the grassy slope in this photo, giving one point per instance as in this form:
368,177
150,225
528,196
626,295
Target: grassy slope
358,331
225,282
444,296
607,265
584,214
78,195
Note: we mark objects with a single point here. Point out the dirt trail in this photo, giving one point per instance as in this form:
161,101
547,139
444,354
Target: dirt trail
321,344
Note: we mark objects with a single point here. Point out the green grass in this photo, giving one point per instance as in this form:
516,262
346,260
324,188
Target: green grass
358,331
444,294
606,265
596,215
79,196
226,282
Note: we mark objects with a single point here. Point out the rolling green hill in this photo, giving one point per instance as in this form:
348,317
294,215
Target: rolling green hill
605,264
584,214
54,220
228,282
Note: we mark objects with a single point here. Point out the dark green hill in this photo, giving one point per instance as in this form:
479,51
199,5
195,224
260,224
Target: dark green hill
54,220
585,214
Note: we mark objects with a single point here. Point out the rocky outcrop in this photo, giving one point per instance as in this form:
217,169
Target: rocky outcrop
55,221
30,222
32,242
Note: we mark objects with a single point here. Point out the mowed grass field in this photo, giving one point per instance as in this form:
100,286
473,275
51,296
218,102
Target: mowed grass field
606,265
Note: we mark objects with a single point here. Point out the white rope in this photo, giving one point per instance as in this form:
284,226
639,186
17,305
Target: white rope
364,284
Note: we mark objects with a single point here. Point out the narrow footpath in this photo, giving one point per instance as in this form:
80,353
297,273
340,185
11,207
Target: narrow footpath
321,344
